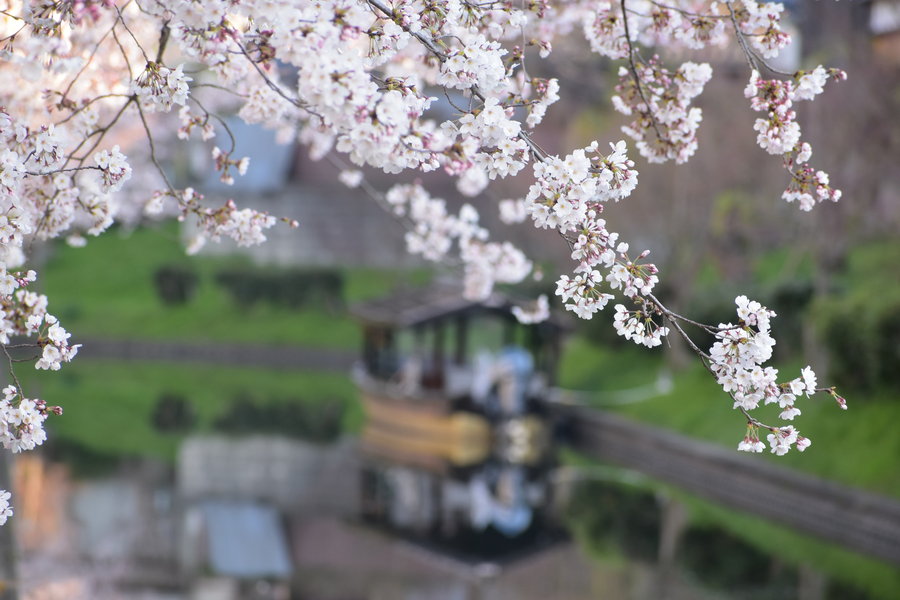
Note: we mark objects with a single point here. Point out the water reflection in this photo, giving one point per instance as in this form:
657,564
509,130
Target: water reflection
456,446
270,519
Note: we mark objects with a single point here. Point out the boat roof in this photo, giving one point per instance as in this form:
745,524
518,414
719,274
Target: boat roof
412,306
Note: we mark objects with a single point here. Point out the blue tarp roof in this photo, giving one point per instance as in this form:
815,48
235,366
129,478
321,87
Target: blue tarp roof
246,540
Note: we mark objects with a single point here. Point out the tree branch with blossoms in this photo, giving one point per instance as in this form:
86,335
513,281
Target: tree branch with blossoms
369,73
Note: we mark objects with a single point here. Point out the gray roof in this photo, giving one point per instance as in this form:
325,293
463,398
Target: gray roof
246,540
408,307
412,306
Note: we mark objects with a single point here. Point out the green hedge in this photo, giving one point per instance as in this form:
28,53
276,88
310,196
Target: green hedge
861,333
291,289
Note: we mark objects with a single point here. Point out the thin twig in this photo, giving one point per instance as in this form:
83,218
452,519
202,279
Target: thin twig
634,74
12,372
153,150
133,37
221,121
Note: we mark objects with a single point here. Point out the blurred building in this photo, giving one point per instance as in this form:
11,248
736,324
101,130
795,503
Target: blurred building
884,24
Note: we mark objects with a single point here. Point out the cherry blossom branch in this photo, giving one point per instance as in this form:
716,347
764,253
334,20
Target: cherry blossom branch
673,319
11,369
351,102
87,63
123,52
221,121
634,74
754,60
101,132
153,158
274,86
137,43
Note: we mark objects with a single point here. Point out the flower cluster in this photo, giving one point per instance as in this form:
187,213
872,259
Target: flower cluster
571,191
6,510
547,93
114,168
779,133
502,153
433,229
640,325
24,313
224,164
760,24
352,178
489,263
751,442
22,420
479,63
781,440
569,195
12,170
189,122
585,292
39,197
512,211
46,146
665,124
245,226
605,32
737,358
612,31
159,87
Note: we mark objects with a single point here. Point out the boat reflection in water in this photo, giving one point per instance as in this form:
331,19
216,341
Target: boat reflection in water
455,449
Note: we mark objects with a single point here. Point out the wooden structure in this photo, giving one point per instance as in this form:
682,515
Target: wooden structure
441,324
433,397
854,519
455,439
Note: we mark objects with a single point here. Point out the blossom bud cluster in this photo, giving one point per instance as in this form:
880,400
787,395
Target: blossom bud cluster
6,510
21,421
245,226
609,29
501,152
159,87
760,24
665,124
737,357
189,122
478,63
569,195
38,199
779,133
639,325
114,168
224,163
24,313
